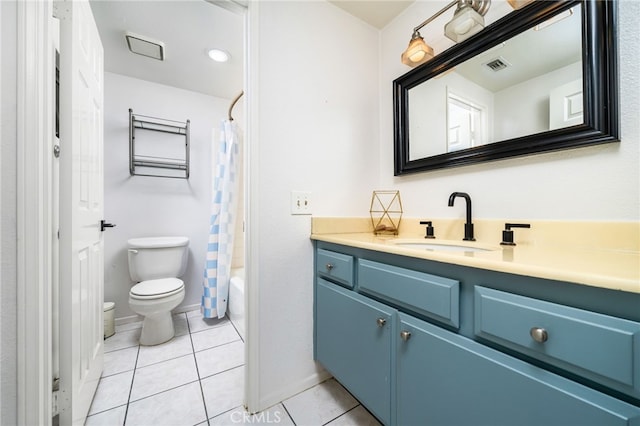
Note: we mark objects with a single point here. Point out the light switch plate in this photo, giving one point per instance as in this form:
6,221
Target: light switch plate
300,202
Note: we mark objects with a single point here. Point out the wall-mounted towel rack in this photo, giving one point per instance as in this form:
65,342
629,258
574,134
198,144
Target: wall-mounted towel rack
159,154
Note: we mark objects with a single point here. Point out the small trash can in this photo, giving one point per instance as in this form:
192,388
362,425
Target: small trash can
109,319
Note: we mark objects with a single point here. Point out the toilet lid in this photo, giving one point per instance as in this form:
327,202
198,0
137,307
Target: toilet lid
157,288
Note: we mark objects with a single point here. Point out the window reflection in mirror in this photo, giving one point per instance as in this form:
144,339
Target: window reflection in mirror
527,85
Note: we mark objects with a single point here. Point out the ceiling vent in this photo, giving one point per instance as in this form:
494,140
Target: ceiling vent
145,46
497,64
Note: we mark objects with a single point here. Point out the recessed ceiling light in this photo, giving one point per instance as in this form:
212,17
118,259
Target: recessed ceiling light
219,55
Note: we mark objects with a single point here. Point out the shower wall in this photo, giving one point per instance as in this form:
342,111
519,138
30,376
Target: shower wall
150,206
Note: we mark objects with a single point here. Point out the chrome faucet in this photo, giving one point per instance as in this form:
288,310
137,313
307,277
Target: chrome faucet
468,227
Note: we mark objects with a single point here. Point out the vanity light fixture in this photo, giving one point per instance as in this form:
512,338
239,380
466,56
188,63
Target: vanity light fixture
518,4
468,20
418,51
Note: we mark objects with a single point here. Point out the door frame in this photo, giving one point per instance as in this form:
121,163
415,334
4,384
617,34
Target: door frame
35,233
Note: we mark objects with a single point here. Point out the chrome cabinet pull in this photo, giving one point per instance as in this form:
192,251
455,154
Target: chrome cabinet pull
539,334
329,267
405,335
381,322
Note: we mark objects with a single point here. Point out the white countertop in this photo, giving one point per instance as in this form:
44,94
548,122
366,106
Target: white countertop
605,267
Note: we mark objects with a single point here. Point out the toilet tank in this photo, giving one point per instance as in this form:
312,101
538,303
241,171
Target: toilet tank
157,257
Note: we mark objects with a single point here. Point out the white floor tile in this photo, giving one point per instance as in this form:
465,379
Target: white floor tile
198,323
223,391
179,406
320,404
129,326
164,387
358,416
239,416
194,313
163,376
214,337
180,324
122,339
112,392
221,358
119,361
174,348
112,417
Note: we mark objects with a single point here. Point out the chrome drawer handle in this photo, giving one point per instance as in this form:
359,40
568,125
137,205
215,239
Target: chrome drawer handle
329,267
405,335
539,334
381,322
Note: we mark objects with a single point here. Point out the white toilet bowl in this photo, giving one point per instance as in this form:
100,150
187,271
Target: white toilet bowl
154,263
154,300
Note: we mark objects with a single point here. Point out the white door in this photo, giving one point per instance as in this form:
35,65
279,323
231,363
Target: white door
565,105
81,209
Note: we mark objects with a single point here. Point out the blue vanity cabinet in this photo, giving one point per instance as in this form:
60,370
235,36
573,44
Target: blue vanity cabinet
447,379
428,295
420,342
603,348
353,342
335,267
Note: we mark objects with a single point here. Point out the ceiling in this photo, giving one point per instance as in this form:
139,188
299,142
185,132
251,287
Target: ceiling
188,28
376,13
559,43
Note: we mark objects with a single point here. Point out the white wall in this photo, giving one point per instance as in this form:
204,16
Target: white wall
8,216
149,206
316,115
595,183
432,101
515,118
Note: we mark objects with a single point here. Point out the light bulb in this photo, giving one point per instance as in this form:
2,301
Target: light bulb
416,56
464,26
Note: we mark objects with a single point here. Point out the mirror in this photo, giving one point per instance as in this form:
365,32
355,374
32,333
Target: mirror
542,78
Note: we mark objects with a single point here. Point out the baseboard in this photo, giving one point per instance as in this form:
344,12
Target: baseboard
282,394
128,320
186,308
136,318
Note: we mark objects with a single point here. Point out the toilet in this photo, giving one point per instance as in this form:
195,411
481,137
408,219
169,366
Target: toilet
155,263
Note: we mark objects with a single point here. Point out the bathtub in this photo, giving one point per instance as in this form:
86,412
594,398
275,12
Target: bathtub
236,300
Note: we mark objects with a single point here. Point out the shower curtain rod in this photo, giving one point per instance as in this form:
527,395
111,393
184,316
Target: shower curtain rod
237,98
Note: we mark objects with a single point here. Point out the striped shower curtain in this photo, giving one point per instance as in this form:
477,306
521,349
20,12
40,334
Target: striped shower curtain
223,211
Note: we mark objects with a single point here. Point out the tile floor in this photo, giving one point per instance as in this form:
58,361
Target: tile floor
197,378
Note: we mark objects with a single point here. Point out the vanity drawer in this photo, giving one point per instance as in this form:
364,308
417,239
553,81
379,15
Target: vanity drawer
603,348
429,295
336,267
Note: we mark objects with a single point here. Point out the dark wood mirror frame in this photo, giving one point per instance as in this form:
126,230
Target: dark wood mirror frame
600,88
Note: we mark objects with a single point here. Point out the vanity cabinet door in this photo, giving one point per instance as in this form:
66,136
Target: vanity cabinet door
448,379
353,342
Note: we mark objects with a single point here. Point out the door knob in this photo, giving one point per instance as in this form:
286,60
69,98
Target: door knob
405,335
104,225
381,322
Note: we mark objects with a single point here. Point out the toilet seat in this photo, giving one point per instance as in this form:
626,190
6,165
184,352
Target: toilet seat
156,289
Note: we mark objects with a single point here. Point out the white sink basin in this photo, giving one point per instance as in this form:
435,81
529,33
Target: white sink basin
443,246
